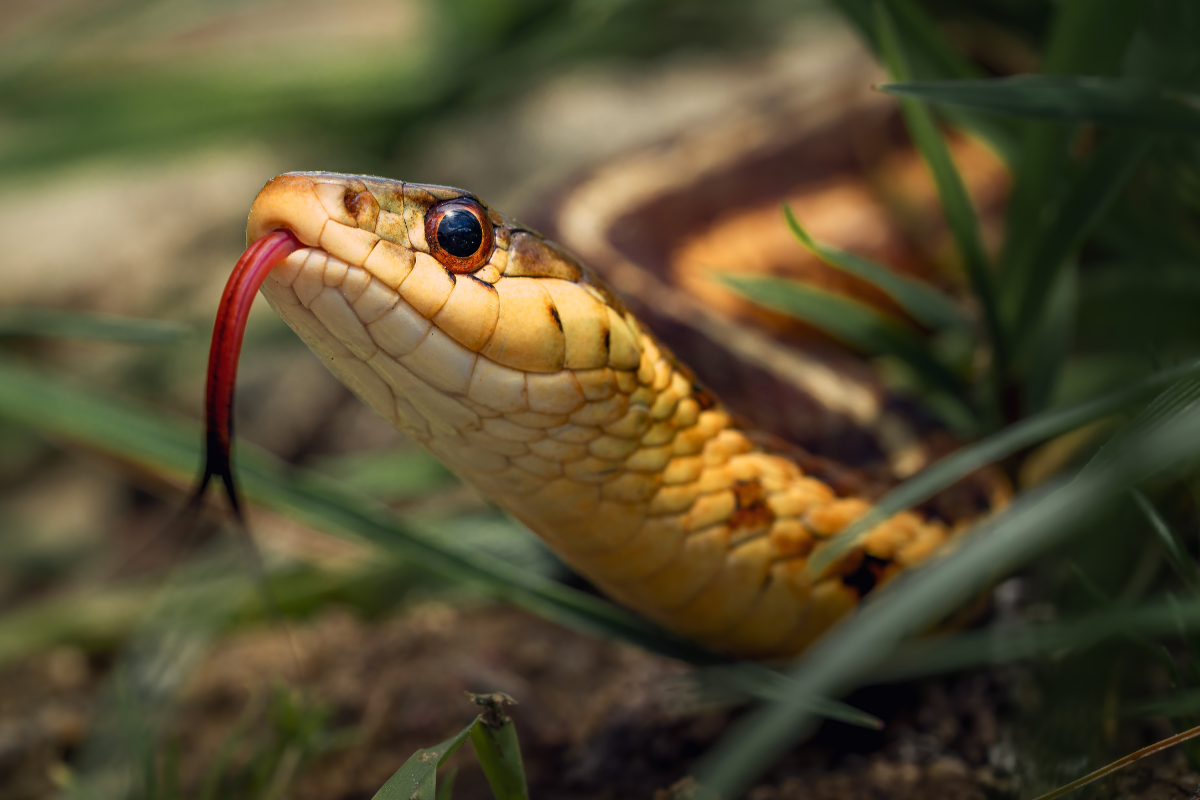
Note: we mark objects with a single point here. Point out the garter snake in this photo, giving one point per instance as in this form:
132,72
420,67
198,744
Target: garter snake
516,366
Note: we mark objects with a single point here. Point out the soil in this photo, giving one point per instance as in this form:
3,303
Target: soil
596,720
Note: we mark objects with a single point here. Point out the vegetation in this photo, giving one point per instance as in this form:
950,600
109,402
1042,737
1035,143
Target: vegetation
1081,322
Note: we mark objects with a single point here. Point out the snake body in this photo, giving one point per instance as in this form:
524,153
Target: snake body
528,378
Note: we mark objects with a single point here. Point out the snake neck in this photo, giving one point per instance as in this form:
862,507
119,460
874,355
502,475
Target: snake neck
638,477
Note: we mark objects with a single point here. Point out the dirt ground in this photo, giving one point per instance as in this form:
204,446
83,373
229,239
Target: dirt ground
596,720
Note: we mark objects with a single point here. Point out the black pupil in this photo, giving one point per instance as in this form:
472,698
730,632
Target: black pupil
459,233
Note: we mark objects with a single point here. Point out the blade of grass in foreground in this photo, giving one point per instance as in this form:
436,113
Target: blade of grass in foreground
391,475
1172,542
857,324
171,446
846,655
494,738
417,779
919,300
1069,98
1179,397
1001,644
956,203
57,323
1177,705
958,465
100,617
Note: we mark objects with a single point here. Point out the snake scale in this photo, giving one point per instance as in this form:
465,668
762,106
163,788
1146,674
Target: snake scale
519,369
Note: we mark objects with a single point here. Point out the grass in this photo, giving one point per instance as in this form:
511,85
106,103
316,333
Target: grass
1023,341
492,734
1066,321
273,740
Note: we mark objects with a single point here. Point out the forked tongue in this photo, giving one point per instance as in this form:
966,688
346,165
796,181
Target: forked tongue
230,327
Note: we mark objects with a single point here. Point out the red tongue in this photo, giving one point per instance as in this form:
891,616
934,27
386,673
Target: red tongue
251,270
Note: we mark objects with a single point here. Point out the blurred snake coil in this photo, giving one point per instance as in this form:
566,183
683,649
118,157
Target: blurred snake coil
517,367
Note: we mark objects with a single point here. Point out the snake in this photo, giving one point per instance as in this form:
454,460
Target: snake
527,376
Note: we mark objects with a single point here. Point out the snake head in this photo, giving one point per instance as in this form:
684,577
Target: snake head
433,307
506,358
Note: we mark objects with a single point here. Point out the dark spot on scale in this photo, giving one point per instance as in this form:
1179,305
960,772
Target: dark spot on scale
355,201
557,318
608,341
867,575
704,398
752,509
748,493
484,284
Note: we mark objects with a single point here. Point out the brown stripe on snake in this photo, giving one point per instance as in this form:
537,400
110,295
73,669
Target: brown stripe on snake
516,366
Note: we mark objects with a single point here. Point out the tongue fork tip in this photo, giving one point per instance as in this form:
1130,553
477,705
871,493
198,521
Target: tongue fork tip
228,330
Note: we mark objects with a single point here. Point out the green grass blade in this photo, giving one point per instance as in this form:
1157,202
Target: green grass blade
957,465
1177,705
845,656
932,53
175,629
1172,542
499,755
1089,197
1089,38
763,683
1067,98
932,57
1038,185
218,766
99,618
1126,301
446,790
391,475
88,620
857,324
956,203
1177,398
919,300
494,738
417,779
56,323
1002,644
1055,336
1086,38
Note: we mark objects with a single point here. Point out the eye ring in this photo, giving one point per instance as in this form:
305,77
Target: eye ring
459,235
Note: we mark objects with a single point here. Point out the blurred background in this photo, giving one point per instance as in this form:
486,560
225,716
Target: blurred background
146,655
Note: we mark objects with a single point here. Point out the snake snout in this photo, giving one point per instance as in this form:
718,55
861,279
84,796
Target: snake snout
436,311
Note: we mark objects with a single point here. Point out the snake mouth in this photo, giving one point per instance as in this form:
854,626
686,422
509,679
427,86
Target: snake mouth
437,344
288,222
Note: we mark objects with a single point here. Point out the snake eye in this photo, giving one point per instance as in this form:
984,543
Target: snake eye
459,235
